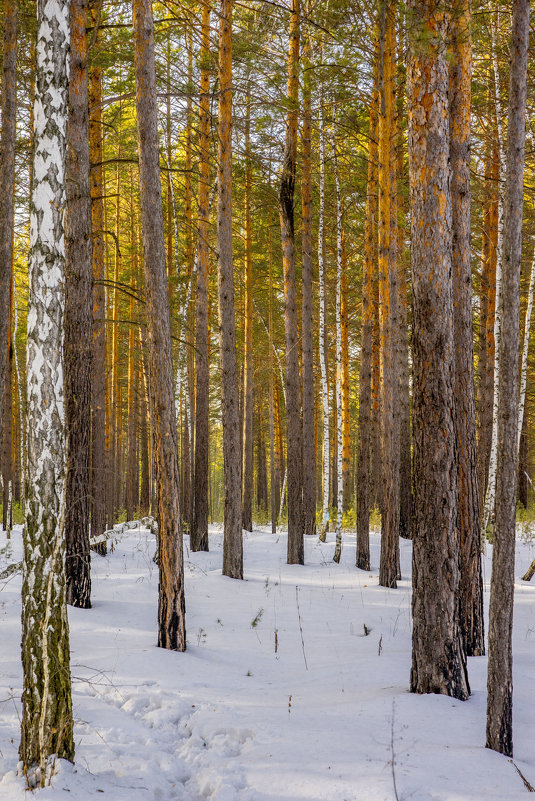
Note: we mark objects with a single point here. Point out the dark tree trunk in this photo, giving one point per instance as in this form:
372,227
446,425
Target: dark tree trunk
232,454
293,391
199,529
500,669
471,583
247,440
171,603
309,444
98,375
78,321
7,181
7,431
438,658
523,465
364,479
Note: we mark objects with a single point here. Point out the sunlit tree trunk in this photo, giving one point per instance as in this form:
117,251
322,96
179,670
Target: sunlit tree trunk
388,304
247,480
171,604
500,666
344,333
232,544
7,430
309,449
294,440
438,658
47,723
471,584
199,531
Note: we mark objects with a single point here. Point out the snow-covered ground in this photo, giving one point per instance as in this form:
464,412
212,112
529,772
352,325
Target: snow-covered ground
293,687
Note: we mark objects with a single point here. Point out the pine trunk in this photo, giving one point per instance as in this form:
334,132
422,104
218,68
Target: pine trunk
232,544
309,449
364,483
7,180
98,376
247,494
199,529
171,604
471,584
293,391
78,320
388,306
438,659
500,667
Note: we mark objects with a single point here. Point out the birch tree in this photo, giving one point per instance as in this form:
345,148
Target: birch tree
323,331
339,417
47,723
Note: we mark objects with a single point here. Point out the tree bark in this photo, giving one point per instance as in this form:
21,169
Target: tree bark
323,333
47,723
471,583
171,603
199,530
500,666
7,181
248,477
388,305
293,390
364,483
438,659
78,320
307,317
98,362
338,381
232,544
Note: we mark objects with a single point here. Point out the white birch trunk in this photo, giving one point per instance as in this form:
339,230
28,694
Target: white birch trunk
493,461
47,711
339,421
322,344
525,350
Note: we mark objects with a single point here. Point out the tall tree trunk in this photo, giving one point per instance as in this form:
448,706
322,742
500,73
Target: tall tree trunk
344,334
293,392
131,494
232,544
247,481
323,333
78,320
490,495
388,308
523,462
309,449
7,181
500,668
471,584
7,430
98,362
338,379
47,723
171,604
438,659
273,461
364,483
487,314
199,529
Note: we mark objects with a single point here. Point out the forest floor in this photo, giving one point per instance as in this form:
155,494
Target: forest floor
293,687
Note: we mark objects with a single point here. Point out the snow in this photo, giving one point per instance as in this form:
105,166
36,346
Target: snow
236,718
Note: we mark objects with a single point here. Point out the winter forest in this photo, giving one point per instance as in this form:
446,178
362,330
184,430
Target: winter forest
267,400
